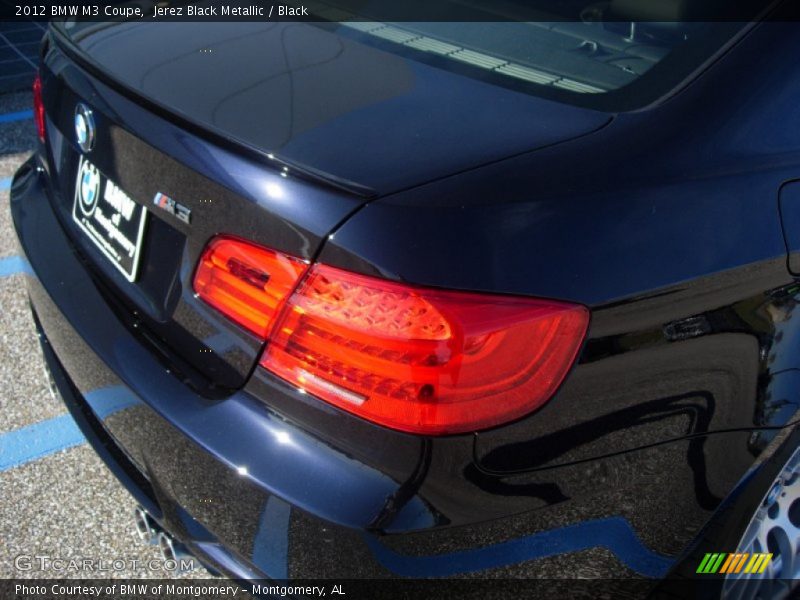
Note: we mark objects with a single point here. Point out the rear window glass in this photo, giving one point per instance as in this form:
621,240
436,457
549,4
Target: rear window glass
611,55
611,65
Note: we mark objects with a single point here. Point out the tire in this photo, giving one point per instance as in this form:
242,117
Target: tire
774,529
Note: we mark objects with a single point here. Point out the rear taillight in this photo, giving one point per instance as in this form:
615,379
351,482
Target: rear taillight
246,282
422,360
38,107
414,359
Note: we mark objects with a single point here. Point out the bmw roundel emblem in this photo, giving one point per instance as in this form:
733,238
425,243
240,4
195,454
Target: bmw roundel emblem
88,187
84,127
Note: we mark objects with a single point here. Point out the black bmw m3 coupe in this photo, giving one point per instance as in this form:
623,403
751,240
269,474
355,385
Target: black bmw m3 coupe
503,297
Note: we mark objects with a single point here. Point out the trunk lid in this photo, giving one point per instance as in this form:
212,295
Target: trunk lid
320,99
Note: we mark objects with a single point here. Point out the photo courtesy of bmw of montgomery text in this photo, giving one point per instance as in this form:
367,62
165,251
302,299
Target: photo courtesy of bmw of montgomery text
431,299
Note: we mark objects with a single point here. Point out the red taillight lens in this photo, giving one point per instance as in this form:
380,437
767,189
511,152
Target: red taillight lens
422,360
246,282
38,107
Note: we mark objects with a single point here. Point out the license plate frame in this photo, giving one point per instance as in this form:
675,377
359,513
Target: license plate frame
109,218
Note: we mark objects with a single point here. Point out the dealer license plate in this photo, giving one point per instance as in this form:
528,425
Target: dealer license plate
110,218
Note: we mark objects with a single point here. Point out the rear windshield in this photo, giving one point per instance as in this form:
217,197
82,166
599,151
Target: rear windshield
611,55
603,65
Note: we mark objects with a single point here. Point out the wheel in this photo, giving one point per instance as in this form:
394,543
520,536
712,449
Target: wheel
773,529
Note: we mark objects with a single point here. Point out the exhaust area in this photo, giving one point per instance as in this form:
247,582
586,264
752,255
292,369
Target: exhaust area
173,550
146,527
150,531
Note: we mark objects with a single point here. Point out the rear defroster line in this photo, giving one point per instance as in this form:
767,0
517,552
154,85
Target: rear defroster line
36,441
613,533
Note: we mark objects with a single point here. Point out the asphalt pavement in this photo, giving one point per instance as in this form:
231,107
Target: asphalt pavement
59,501
19,51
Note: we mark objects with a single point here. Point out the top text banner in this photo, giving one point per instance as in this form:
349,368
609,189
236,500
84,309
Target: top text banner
401,10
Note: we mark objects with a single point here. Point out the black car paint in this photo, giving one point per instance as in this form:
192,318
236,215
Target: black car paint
325,102
664,222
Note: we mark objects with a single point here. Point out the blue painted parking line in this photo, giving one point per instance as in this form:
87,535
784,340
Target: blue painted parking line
41,439
16,116
13,265
271,545
5,183
613,533
36,441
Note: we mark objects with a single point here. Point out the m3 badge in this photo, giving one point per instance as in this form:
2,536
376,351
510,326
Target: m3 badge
174,208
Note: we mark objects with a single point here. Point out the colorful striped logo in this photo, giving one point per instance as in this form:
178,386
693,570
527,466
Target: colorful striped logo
738,562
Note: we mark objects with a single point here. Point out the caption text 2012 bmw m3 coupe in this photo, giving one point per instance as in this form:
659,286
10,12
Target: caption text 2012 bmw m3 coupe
503,297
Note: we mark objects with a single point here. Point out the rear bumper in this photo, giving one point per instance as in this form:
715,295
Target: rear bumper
200,541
